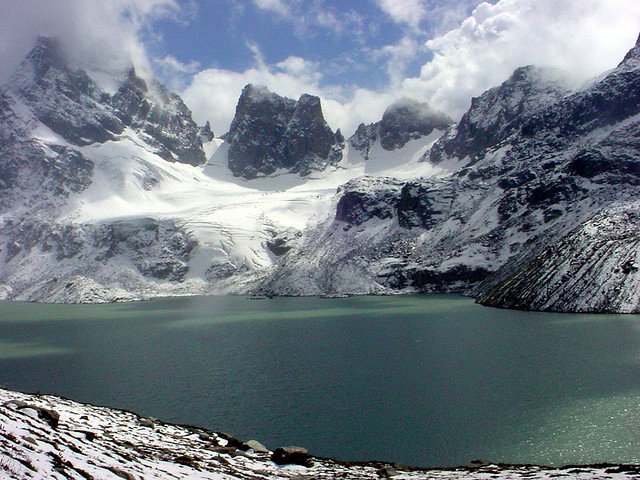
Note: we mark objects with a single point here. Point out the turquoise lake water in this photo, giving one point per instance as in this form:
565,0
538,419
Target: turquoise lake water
428,380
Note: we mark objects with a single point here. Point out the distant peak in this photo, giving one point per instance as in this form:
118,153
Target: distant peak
406,106
309,100
525,72
47,52
256,92
633,54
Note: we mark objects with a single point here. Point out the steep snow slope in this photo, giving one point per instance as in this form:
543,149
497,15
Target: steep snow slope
595,268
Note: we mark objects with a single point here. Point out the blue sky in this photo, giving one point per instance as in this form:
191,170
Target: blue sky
358,56
341,35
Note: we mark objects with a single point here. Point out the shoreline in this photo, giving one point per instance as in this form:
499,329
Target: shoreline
258,297
44,435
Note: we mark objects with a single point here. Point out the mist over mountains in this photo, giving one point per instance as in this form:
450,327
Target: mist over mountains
109,190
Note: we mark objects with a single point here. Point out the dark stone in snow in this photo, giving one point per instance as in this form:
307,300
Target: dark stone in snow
291,456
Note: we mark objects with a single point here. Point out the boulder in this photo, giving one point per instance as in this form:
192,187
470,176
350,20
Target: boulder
291,456
255,446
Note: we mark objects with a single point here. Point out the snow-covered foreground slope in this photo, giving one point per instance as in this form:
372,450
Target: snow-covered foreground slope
46,437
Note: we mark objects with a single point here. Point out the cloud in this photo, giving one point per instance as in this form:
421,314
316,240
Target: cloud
177,74
306,16
427,16
410,12
96,34
280,7
497,38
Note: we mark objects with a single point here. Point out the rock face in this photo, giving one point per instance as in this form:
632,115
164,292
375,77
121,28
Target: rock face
156,250
72,105
507,223
270,132
401,122
594,268
205,133
160,117
500,112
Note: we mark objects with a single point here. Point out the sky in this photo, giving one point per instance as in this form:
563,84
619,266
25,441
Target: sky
357,55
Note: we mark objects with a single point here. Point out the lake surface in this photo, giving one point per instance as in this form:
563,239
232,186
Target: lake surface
425,380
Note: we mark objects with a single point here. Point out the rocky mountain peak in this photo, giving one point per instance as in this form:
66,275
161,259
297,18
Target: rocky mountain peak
501,111
270,132
47,53
404,120
633,54
205,133
408,119
73,106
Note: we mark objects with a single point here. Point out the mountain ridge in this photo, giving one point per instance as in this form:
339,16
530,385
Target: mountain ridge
110,192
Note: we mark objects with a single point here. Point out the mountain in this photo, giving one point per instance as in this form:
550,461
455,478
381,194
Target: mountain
529,164
270,132
530,201
404,120
500,112
73,106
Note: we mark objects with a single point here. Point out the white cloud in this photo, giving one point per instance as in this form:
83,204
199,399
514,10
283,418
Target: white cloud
410,12
175,73
280,7
432,16
95,33
398,56
171,64
497,38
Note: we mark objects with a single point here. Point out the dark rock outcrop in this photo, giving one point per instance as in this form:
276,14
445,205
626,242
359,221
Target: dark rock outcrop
291,456
205,133
402,121
71,104
270,132
500,112
365,198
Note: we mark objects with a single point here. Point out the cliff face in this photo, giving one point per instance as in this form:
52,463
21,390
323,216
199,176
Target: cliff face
72,105
594,268
270,132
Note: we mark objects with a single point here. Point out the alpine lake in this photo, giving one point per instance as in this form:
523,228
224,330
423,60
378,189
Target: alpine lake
425,380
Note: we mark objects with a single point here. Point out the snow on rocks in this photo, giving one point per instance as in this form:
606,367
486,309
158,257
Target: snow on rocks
90,442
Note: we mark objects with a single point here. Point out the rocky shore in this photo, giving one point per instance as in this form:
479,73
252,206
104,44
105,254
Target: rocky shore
49,437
